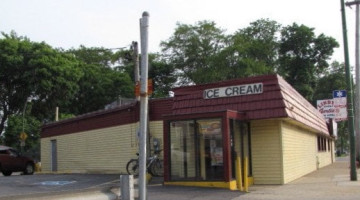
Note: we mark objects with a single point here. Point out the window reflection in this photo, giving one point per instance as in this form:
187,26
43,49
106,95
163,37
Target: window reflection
182,150
211,149
196,152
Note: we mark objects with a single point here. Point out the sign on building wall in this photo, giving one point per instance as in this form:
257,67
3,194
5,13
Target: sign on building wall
231,91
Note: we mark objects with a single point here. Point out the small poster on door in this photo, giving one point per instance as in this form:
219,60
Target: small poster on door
217,156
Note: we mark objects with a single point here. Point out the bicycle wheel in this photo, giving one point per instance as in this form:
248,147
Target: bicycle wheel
157,168
132,167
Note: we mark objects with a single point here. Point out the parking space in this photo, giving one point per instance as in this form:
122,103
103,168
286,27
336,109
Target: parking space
43,184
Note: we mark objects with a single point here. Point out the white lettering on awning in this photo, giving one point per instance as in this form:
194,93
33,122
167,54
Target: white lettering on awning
230,91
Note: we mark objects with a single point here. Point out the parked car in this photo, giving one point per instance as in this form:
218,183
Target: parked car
12,161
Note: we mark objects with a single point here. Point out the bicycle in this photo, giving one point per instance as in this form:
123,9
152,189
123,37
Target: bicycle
153,165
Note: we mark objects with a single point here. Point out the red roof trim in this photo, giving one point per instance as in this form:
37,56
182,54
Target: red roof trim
106,118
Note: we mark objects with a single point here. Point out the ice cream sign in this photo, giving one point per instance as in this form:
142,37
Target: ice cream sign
231,91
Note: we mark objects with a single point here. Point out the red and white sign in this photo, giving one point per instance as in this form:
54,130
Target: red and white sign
326,107
340,106
333,108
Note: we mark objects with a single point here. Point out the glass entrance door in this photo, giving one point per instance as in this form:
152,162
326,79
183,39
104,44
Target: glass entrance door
182,150
196,150
211,149
240,145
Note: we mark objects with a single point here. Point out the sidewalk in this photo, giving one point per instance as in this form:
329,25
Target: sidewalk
328,183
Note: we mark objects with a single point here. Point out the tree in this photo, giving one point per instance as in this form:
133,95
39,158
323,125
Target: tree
203,53
191,51
33,70
332,79
303,57
250,51
163,76
31,128
160,71
101,83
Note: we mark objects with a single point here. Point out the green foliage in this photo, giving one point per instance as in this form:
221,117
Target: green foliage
303,57
31,128
333,79
63,116
342,143
37,71
192,49
250,51
163,76
99,84
162,73
203,53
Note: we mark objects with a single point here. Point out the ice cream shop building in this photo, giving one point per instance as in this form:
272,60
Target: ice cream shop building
259,128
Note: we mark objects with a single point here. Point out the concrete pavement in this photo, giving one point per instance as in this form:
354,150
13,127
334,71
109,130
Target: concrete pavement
328,183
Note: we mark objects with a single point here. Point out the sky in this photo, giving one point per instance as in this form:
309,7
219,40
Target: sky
115,23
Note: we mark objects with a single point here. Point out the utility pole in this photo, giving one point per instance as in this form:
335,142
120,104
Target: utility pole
357,77
353,175
136,64
144,26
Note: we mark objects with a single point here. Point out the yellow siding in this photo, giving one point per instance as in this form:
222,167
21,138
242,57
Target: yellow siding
156,131
299,151
104,150
266,152
45,153
324,159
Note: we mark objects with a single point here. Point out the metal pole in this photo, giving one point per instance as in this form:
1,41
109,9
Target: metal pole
357,78
357,82
22,143
144,25
23,116
136,64
57,113
353,175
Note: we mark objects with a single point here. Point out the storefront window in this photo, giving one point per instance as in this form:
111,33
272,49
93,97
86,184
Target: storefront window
196,150
182,149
